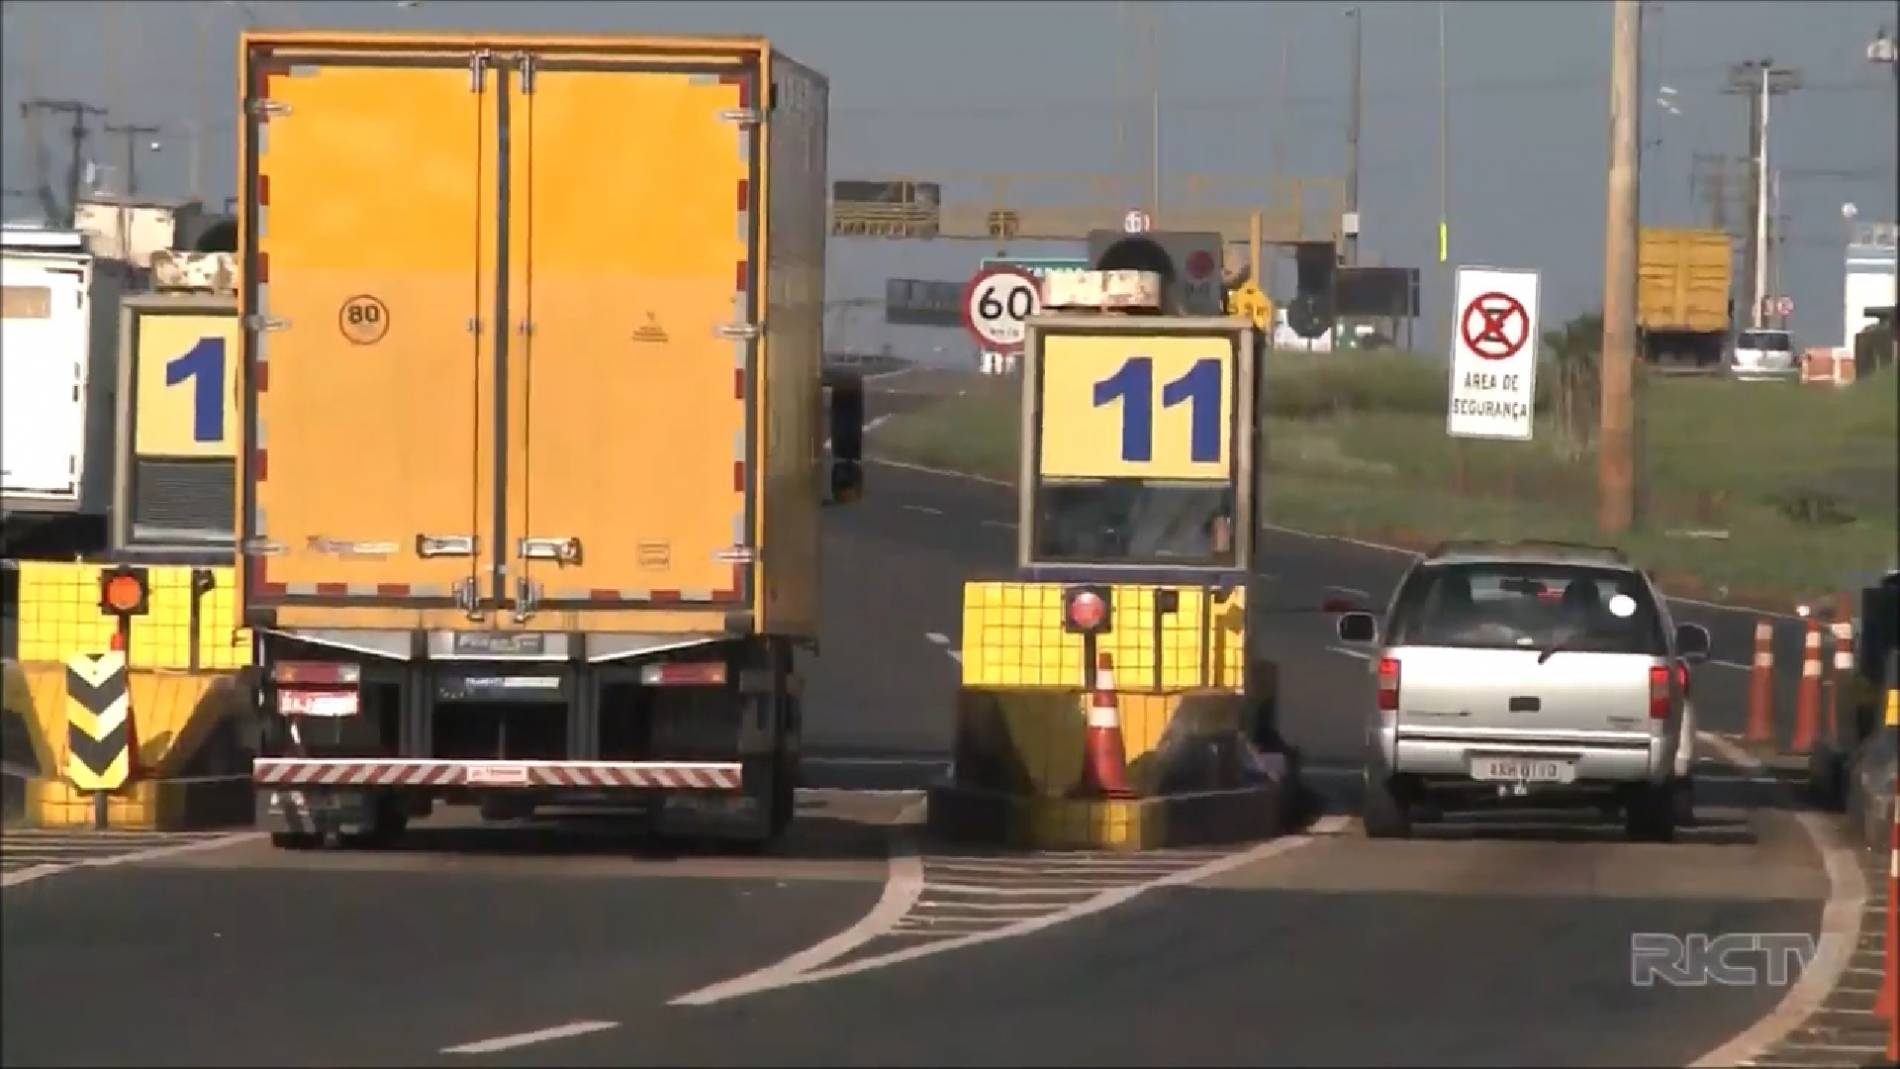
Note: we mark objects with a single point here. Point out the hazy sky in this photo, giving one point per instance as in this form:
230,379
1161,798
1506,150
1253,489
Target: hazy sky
928,88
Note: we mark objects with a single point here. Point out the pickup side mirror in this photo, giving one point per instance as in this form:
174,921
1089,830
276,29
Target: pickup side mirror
847,438
1358,628
1692,643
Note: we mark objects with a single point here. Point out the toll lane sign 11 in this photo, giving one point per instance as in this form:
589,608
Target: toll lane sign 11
1493,354
1120,407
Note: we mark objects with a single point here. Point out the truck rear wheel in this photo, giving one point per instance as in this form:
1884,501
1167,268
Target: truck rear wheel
295,840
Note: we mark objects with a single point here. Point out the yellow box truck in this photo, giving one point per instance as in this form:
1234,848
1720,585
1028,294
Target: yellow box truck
532,391
1682,305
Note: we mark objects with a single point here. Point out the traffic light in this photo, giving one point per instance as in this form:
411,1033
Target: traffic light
1189,263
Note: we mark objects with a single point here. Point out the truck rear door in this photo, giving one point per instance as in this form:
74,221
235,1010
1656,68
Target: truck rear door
370,461
44,355
633,192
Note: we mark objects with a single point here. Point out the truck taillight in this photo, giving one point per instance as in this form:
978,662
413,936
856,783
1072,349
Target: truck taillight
317,673
1659,691
684,674
1388,684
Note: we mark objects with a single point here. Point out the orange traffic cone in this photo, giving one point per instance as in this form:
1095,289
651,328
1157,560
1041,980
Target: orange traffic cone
1807,698
1761,686
1104,759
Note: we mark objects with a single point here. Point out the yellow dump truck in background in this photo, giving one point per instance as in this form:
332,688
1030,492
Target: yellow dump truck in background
534,425
1683,305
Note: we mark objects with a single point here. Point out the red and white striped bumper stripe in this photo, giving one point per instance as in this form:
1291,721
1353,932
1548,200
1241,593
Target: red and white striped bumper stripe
399,772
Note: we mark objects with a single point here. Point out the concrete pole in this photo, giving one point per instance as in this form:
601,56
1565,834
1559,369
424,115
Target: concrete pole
1616,455
1761,202
1352,139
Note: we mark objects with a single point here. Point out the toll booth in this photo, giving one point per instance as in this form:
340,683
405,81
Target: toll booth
127,679
1109,694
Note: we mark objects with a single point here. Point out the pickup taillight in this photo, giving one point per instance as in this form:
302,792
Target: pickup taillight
1659,691
684,674
1388,684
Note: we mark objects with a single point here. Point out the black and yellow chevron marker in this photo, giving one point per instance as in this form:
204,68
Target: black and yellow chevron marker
98,721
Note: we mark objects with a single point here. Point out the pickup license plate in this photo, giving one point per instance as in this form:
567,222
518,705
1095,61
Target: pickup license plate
318,703
1523,770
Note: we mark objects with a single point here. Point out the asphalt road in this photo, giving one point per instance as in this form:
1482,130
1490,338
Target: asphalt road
568,943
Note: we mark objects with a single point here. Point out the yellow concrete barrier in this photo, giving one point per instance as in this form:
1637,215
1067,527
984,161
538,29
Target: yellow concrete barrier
191,723
1019,772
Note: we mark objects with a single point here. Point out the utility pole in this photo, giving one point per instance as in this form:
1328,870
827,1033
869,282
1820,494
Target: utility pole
1352,143
1617,460
79,110
131,132
1444,146
1154,103
1881,50
1760,80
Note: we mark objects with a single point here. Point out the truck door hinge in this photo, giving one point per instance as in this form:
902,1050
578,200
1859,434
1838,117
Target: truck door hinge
263,108
737,331
525,328
743,116
527,598
265,323
478,69
527,74
474,324
467,599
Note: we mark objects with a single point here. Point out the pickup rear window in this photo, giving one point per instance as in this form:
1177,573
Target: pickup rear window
1509,605
1773,341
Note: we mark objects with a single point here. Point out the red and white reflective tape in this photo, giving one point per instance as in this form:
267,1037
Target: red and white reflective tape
1843,647
405,772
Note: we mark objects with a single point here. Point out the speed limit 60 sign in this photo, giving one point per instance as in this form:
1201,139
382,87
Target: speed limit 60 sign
996,305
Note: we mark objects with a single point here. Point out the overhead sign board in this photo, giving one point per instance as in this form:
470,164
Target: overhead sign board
923,303
997,304
1037,265
1493,354
899,209
1376,291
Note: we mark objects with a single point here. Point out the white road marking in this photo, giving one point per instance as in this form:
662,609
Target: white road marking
1729,664
925,509
903,890
522,1039
955,655
1003,525
938,637
903,885
946,473
14,879
1840,920
1353,590
898,374
1350,652
877,422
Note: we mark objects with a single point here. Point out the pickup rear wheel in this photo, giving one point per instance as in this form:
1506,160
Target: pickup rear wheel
1651,814
1384,812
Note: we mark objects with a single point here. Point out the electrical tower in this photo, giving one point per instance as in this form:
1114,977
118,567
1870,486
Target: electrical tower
30,112
131,132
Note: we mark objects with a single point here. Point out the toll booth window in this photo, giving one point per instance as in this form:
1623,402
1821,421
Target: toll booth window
1135,521
1135,450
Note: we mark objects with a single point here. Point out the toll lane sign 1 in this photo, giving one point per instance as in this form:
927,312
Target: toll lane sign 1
1494,354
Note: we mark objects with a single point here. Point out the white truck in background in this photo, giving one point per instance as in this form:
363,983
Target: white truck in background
58,360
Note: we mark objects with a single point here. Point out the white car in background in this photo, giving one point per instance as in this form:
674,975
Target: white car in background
1764,354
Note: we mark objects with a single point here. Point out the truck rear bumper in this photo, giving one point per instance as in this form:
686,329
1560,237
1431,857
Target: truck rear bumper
499,775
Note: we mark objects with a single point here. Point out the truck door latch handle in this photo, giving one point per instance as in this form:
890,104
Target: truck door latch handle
559,550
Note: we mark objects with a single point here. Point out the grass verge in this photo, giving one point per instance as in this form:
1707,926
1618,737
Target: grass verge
1800,482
